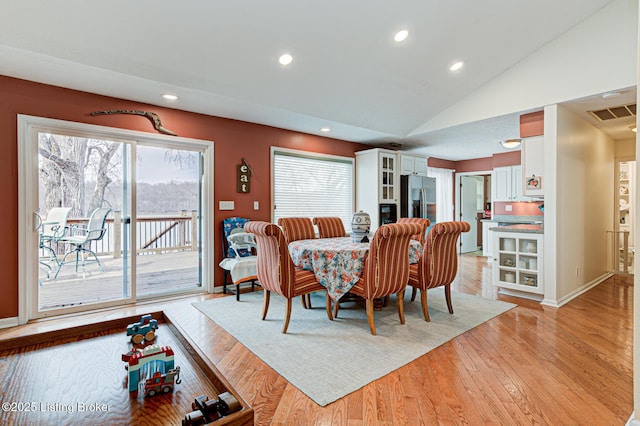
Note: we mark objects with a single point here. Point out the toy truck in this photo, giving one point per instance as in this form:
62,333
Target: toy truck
162,382
143,330
207,410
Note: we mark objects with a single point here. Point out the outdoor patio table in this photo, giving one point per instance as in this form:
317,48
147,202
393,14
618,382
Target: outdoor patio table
337,262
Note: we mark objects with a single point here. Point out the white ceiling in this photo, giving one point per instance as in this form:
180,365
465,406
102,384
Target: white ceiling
220,58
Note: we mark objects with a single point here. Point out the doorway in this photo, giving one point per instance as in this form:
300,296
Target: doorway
155,239
623,235
473,195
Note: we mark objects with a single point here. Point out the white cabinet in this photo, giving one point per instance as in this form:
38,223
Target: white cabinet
532,159
413,165
377,182
487,238
506,183
518,261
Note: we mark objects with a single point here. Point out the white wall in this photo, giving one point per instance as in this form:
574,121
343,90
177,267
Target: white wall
580,210
626,148
596,56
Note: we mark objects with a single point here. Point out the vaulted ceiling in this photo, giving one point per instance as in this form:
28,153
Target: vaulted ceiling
347,74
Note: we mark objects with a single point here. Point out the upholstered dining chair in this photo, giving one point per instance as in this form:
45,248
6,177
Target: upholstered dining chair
438,264
424,223
386,268
329,227
297,228
276,271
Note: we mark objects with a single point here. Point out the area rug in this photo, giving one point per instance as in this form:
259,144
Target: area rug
327,360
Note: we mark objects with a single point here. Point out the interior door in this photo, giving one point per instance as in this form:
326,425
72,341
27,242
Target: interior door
468,212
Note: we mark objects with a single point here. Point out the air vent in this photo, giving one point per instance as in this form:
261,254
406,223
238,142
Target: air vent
615,112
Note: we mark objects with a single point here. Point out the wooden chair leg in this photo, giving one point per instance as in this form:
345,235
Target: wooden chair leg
238,292
336,308
303,300
287,316
369,306
414,290
328,306
423,302
265,304
309,300
400,297
447,295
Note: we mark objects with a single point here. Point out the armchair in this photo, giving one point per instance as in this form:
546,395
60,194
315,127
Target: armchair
239,255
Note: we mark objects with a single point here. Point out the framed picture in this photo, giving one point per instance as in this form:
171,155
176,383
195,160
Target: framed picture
534,182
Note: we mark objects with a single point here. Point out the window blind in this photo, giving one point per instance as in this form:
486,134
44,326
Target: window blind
308,185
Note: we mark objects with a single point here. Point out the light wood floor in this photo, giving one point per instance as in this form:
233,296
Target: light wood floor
531,365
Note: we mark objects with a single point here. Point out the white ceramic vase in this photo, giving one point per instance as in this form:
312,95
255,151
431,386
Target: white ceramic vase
360,226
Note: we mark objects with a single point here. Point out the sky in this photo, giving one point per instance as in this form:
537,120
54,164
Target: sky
154,168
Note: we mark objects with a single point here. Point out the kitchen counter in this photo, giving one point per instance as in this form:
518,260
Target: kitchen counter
530,228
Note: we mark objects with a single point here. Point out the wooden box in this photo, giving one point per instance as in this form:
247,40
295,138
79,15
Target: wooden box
77,376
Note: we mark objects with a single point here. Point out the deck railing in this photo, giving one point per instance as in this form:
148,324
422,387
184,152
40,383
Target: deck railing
156,234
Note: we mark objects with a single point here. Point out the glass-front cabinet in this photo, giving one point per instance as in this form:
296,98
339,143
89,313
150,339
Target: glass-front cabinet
518,261
388,176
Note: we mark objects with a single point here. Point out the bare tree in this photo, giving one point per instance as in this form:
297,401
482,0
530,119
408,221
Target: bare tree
65,163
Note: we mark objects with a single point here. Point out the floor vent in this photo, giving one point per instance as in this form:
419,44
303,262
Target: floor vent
615,112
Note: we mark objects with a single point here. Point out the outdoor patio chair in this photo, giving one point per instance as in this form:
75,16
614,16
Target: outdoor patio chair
438,264
81,236
52,229
239,260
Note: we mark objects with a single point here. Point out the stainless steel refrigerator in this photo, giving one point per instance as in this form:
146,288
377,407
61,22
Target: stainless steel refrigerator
418,197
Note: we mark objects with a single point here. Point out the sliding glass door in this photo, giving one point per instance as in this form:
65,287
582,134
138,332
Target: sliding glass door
110,216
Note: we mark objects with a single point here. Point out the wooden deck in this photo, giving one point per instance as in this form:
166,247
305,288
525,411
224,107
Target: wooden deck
156,274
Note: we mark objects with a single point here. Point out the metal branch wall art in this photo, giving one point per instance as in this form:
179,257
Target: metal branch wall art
155,119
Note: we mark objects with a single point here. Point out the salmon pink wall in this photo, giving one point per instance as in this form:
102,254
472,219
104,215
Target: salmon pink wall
233,140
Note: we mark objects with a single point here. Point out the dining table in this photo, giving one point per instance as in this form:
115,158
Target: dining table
337,263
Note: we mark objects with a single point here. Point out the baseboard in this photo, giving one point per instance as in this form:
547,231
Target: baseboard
577,292
521,294
9,322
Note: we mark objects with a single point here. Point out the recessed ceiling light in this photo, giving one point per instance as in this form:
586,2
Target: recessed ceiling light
285,59
169,97
456,66
401,36
325,129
